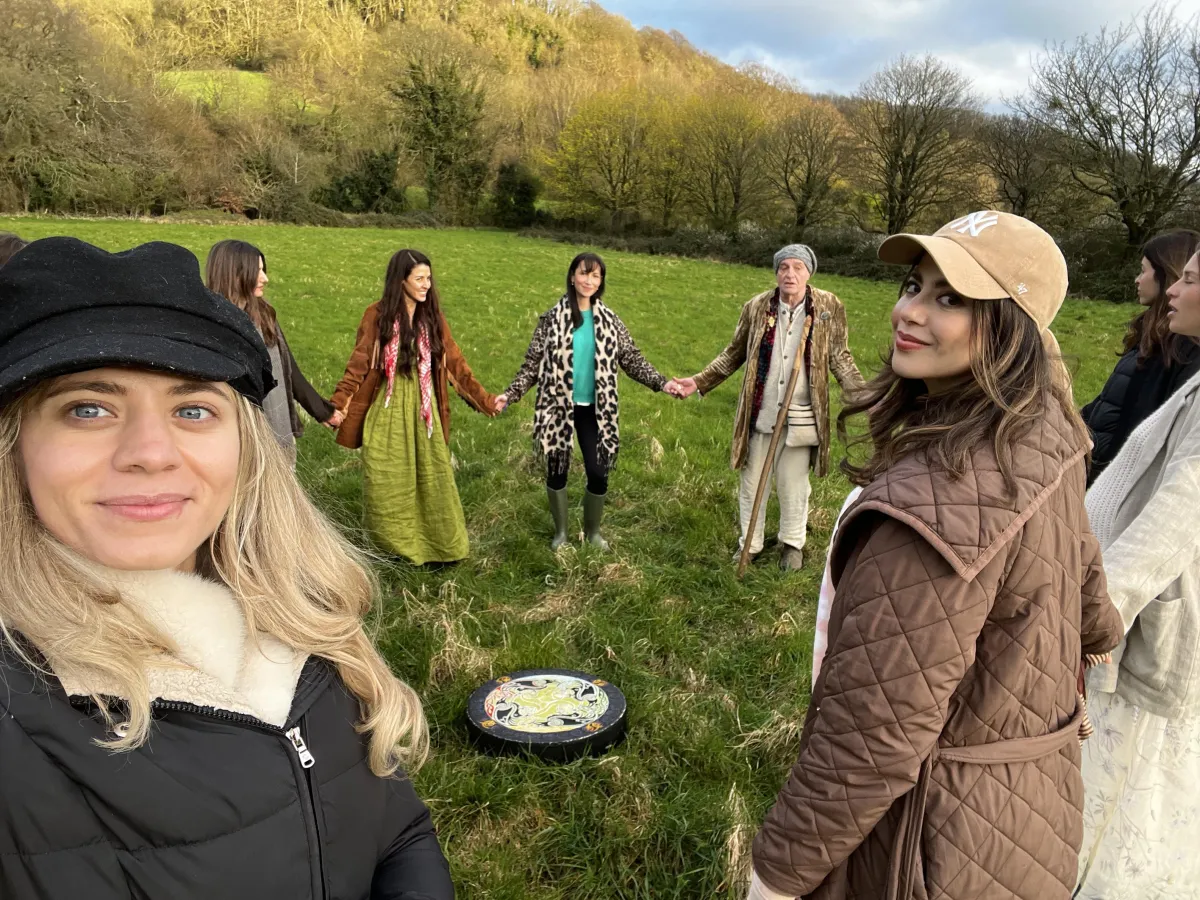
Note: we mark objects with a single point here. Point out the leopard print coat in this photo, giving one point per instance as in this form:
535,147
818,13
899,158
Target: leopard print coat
550,364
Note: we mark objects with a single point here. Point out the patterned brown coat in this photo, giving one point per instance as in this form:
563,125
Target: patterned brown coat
828,351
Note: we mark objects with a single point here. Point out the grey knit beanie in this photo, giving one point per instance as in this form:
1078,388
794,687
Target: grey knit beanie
802,252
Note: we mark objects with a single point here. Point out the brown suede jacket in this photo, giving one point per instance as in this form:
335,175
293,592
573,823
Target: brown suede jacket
360,384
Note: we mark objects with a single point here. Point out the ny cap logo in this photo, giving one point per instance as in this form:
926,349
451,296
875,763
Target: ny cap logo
975,223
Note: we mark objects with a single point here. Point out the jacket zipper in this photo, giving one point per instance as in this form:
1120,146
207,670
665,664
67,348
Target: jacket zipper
306,758
295,741
306,763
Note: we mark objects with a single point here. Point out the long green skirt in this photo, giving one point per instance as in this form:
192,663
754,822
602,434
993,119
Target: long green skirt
412,505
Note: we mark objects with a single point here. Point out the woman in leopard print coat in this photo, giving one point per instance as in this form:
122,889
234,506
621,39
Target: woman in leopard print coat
573,358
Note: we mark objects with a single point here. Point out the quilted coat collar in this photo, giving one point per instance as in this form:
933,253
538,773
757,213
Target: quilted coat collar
971,519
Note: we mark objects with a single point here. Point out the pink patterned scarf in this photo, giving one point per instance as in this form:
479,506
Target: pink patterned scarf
391,356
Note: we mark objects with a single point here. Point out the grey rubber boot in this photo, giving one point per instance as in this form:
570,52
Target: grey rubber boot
558,512
593,515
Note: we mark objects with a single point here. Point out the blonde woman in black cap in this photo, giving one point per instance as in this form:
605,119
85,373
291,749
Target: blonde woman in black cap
190,706
238,271
940,755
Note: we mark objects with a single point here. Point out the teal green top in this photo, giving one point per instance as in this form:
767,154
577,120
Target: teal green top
584,345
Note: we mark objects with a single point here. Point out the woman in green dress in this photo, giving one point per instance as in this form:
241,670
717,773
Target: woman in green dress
394,402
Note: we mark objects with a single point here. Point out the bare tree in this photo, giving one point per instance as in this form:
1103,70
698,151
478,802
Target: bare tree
1129,99
802,154
912,119
1024,158
726,179
602,158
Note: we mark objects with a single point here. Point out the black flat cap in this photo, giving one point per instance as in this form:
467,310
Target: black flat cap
67,306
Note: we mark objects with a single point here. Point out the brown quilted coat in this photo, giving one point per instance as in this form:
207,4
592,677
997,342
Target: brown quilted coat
939,758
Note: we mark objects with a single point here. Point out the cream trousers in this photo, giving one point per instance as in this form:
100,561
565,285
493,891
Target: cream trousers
789,476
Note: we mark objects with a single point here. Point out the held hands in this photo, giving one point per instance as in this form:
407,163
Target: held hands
499,404
335,420
680,388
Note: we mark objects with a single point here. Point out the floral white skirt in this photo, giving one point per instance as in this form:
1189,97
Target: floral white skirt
1141,815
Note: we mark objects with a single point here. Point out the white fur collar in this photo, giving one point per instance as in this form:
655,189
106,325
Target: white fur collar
216,665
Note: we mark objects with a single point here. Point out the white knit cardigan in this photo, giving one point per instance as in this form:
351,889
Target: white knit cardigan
1145,512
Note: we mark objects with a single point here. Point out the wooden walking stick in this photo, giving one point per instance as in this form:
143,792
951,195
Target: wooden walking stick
770,460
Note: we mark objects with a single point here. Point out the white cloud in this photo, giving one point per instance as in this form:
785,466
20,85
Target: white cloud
833,45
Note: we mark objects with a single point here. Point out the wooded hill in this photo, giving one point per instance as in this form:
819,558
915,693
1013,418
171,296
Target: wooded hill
520,112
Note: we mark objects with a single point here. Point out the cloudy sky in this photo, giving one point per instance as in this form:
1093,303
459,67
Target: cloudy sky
832,45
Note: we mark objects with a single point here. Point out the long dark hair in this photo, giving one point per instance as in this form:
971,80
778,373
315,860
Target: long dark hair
589,262
1013,385
1150,330
232,271
392,311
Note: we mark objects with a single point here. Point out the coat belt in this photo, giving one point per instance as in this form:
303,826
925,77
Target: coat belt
906,846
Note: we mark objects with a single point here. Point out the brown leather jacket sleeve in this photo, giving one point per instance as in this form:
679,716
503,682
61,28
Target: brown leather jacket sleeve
730,359
905,642
359,363
1100,625
462,379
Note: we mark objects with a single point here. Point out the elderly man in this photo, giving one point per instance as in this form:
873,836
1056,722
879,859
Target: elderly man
767,340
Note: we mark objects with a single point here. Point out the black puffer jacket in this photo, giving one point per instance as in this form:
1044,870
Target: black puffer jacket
215,805
1129,396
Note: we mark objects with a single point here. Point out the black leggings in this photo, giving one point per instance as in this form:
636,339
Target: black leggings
588,433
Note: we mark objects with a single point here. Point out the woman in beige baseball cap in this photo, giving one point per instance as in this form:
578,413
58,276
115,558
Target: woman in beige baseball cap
940,755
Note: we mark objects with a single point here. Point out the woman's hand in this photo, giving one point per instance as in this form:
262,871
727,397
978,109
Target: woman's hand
499,404
335,420
681,387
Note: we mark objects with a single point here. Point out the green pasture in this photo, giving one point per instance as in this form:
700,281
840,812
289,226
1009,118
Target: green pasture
716,671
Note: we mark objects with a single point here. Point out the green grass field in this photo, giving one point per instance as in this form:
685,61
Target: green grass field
716,671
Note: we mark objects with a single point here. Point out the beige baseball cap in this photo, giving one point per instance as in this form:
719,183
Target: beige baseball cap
991,255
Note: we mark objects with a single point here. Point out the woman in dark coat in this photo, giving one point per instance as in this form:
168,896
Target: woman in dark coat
189,704
1154,362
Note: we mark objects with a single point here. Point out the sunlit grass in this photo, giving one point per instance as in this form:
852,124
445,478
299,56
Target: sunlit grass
716,671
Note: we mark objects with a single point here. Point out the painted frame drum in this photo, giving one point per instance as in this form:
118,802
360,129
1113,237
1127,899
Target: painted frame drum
554,714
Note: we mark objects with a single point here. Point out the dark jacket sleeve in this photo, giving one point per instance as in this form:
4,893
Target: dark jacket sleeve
883,704
1104,415
303,392
413,867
